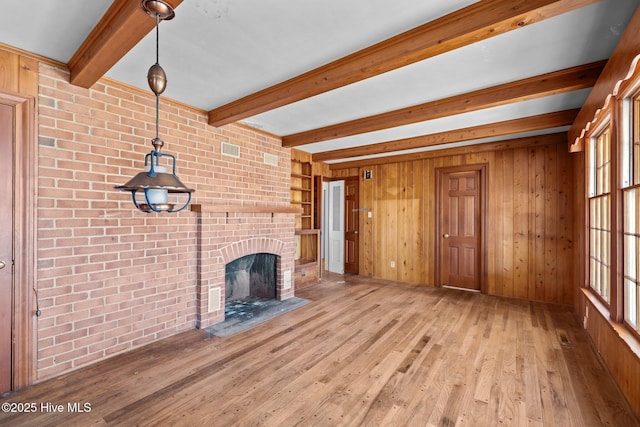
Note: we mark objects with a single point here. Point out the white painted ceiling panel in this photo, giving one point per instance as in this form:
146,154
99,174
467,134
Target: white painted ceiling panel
217,51
553,44
51,29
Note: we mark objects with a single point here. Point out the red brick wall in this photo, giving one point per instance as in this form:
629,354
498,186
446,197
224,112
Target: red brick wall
111,278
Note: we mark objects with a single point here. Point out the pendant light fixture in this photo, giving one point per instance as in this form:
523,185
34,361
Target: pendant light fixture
155,183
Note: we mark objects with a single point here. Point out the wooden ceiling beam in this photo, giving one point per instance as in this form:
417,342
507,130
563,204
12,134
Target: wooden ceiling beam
567,80
526,124
479,21
120,29
509,144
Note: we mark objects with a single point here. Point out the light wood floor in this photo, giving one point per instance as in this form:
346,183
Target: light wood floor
362,352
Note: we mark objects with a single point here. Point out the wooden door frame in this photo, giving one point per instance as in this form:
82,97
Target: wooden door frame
318,218
24,240
344,178
483,168
355,179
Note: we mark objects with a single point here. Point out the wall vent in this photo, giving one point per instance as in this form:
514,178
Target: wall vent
229,149
286,280
214,299
270,159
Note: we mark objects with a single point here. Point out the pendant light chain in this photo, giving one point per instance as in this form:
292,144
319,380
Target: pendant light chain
158,63
156,182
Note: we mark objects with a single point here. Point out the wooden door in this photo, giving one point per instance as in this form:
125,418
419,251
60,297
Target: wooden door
351,224
459,220
6,246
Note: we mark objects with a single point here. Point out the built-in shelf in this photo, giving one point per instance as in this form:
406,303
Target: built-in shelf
300,189
307,269
297,175
303,231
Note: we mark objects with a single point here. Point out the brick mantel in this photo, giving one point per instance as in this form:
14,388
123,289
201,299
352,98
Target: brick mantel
244,208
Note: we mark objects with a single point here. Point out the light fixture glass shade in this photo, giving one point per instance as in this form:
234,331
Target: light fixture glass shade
157,196
150,188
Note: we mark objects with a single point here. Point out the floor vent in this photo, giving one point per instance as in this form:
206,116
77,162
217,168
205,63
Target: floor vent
564,338
229,149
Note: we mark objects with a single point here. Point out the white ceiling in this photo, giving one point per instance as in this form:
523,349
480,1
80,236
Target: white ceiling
216,51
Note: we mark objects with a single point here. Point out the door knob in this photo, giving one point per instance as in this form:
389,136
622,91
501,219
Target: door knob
355,232
445,235
2,265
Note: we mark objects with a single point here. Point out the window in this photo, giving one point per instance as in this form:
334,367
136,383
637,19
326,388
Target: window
613,205
599,217
631,256
630,163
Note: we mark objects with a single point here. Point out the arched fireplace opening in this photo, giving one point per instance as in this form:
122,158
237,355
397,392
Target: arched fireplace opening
250,281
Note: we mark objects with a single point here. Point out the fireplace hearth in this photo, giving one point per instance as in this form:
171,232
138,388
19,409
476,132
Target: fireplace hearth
244,313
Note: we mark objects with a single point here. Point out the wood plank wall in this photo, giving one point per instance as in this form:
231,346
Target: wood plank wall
18,73
611,341
616,348
530,219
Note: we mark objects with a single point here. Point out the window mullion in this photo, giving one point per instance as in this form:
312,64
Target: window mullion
616,308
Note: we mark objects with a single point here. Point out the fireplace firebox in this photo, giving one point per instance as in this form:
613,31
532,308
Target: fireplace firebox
252,275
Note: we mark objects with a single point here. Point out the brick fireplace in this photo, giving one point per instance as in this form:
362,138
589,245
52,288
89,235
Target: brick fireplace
223,237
